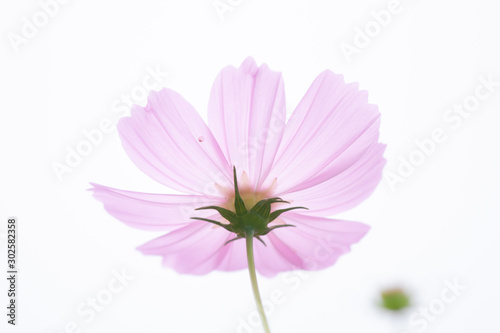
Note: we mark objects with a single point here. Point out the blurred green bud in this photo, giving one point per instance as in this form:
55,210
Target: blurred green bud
395,299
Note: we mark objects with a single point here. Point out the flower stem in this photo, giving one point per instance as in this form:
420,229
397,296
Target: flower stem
253,277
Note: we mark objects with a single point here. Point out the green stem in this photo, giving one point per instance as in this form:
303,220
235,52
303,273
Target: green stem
253,277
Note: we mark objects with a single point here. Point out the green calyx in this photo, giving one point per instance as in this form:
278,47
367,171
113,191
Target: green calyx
243,221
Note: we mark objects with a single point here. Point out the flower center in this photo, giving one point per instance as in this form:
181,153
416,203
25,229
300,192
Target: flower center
249,197
248,212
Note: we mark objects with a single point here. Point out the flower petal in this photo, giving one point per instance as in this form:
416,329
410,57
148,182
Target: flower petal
169,141
315,243
152,211
274,258
197,248
332,127
247,113
345,189
235,257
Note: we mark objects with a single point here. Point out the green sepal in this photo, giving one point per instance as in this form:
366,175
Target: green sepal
258,237
225,213
274,215
239,205
263,207
232,240
225,226
276,227
239,237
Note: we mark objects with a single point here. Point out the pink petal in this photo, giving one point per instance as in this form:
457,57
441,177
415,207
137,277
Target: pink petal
345,189
332,127
315,243
246,113
152,211
169,141
197,248
274,258
235,256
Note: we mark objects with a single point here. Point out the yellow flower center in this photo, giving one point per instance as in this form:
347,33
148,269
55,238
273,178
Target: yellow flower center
250,198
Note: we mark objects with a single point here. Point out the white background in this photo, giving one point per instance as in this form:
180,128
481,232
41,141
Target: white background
440,223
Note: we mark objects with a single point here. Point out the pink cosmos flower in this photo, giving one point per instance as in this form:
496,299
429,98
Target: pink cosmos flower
326,157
